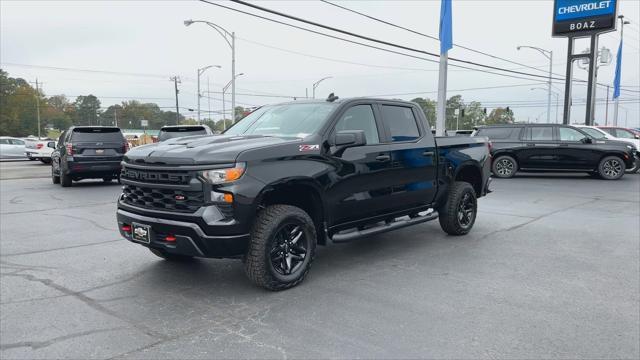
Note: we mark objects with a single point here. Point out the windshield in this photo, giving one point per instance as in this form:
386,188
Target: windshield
593,133
296,120
174,132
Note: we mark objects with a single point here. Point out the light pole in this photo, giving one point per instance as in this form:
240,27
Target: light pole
315,85
200,72
549,55
230,38
623,22
233,110
557,100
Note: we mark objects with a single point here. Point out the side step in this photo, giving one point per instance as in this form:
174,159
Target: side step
398,224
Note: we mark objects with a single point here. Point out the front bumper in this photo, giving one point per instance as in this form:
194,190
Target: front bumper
190,239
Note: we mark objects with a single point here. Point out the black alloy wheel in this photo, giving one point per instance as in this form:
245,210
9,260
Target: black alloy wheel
289,249
466,210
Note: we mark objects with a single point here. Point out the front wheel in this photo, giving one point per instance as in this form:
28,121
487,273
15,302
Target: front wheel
282,247
611,168
458,214
65,179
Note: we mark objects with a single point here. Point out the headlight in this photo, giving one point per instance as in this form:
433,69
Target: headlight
221,176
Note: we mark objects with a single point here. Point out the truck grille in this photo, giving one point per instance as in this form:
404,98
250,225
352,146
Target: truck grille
163,199
156,176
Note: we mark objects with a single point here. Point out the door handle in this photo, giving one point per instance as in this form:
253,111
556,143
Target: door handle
383,158
428,153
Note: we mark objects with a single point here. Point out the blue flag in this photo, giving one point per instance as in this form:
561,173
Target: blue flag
446,31
616,80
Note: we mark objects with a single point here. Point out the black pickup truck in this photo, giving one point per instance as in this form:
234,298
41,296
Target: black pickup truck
290,176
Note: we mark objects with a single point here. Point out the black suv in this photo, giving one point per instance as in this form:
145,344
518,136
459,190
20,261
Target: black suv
554,148
88,152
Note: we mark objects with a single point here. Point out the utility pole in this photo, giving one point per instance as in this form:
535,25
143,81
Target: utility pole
208,99
115,116
176,80
38,106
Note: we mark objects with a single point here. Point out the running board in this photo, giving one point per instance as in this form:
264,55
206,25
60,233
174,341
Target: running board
398,224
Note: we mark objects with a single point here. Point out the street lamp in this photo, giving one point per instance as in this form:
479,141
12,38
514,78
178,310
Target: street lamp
557,99
549,55
233,109
230,38
315,85
200,72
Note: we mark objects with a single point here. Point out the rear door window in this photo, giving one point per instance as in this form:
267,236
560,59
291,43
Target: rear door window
500,133
112,135
401,123
539,133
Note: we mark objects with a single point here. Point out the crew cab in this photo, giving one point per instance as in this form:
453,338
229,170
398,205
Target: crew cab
88,152
291,176
554,148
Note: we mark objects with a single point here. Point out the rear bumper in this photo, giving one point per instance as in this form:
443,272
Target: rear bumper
190,239
93,168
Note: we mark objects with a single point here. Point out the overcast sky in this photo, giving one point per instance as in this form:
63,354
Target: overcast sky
148,40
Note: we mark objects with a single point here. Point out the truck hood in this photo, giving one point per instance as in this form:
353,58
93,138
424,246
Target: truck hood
201,150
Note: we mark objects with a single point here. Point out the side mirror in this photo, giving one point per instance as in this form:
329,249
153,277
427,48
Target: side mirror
51,144
637,137
586,140
345,139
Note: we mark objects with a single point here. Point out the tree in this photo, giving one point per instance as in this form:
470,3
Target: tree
87,110
18,111
429,108
473,116
500,116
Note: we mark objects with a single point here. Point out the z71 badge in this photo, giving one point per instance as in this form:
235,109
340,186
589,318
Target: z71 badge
309,147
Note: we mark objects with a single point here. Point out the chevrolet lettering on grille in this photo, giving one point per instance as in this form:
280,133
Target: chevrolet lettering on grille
155,176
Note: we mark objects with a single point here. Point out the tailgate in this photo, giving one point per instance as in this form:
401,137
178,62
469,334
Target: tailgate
98,151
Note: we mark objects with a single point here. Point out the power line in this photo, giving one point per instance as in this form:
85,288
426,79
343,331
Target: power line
383,42
430,36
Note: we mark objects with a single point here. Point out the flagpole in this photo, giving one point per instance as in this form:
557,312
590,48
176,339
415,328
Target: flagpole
446,43
616,81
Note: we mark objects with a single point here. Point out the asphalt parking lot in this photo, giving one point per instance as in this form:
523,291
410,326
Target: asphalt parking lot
551,270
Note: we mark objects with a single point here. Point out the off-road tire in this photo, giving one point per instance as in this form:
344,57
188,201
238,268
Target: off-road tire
448,213
54,178
257,263
607,164
65,180
509,167
170,257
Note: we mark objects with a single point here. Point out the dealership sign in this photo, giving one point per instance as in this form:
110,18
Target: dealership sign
583,17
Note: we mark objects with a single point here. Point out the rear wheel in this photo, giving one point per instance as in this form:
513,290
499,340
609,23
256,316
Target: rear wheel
170,257
504,166
65,179
611,168
282,247
54,178
458,214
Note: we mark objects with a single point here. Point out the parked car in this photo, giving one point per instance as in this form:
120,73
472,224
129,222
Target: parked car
88,152
290,176
175,131
555,148
11,148
598,133
39,149
621,133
